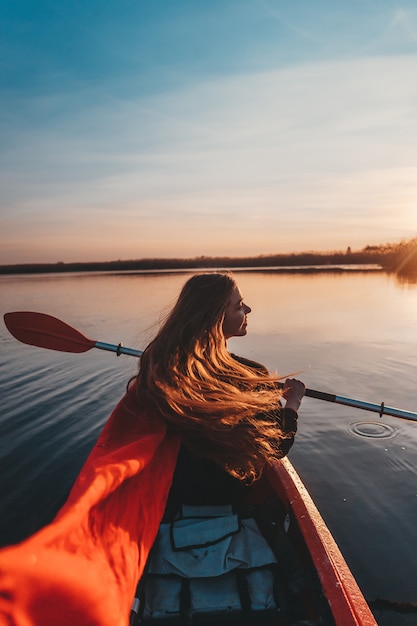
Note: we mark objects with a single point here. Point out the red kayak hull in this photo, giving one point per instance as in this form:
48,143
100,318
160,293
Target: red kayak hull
346,601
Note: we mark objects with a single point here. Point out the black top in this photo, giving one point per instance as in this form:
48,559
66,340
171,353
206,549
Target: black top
199,481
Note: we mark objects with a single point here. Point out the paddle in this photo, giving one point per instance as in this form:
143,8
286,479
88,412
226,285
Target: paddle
46,331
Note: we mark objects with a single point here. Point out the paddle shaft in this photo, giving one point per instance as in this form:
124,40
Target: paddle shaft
381,409
119,349
45,331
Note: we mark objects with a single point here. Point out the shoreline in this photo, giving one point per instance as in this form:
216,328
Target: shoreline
292,263
265,269
398,258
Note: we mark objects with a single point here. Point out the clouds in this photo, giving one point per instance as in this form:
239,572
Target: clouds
313,154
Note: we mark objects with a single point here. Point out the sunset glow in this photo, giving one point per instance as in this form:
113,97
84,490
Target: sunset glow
221,128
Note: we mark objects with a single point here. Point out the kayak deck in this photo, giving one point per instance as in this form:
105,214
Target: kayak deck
308,584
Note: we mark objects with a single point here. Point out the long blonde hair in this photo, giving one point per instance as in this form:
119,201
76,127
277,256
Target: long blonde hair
224,410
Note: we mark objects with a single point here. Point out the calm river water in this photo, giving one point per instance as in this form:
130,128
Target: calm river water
351,333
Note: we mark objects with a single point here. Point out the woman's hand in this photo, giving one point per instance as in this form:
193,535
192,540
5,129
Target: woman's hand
293,393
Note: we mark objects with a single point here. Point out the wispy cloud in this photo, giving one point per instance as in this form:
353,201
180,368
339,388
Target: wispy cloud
271,10
406,20
314,156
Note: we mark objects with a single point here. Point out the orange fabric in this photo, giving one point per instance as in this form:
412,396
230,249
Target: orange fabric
83,568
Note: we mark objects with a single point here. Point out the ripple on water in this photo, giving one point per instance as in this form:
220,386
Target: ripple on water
373,430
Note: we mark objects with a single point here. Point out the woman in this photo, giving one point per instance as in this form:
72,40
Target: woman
227,409
83,567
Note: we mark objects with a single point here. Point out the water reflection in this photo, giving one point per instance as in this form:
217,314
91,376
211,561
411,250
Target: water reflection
406,279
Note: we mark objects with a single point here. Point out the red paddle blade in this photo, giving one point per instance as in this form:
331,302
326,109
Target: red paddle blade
46,331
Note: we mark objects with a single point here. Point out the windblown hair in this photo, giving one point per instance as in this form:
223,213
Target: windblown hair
224,410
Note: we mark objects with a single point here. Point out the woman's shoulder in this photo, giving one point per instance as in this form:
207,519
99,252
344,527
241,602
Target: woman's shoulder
249,363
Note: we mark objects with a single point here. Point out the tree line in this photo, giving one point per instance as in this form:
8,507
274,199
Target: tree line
400,258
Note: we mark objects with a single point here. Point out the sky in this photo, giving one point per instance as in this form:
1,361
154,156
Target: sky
179,128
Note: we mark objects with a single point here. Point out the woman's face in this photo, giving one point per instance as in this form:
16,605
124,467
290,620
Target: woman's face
234,323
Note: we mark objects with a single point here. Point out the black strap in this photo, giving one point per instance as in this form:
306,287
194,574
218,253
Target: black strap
243,589
185,602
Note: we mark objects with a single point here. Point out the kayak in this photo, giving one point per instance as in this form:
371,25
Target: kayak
316,584
84,567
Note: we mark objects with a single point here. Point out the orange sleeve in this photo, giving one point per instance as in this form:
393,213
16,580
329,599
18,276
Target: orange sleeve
83,568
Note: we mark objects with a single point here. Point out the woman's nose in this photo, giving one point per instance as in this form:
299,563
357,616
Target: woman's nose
247,309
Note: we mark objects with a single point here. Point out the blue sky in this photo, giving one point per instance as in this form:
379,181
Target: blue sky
161,128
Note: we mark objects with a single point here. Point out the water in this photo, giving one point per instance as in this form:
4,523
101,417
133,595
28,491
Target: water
352,334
